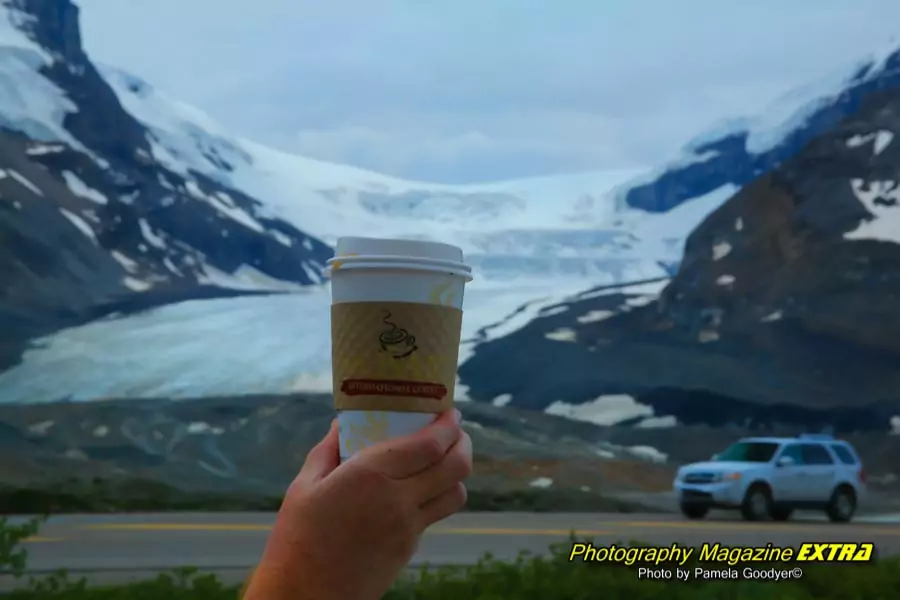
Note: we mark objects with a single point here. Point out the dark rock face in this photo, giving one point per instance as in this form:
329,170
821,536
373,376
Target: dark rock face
781,312
101,124
85,231
728,161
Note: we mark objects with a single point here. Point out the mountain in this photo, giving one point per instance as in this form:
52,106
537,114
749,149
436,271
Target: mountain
90,221
785,308
738,151
148,203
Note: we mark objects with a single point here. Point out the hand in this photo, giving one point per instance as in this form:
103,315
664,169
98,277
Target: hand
345,531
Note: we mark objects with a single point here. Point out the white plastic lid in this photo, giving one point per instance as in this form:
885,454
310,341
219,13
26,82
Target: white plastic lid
362,246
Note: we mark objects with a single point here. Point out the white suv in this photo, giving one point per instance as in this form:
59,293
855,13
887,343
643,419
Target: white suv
770,477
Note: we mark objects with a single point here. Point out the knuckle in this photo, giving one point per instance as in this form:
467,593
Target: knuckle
368,480
432,449
459,466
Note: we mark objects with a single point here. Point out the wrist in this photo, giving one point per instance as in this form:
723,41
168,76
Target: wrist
284,574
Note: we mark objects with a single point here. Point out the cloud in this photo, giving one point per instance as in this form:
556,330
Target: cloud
472,90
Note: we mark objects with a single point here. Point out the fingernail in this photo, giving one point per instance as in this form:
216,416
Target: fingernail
467,444
457,416
447,436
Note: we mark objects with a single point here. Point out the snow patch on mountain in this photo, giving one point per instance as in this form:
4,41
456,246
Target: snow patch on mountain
793,109
882,200
29,102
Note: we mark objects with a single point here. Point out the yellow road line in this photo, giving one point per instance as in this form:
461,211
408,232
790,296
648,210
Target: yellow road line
502,531
608,528
811,528
177,527
39,539
251,527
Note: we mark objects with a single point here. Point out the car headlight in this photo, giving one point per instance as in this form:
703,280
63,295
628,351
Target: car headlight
720,477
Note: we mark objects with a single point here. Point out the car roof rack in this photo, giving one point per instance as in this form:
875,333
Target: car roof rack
816,436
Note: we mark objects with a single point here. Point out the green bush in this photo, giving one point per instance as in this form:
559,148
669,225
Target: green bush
13,557
550,577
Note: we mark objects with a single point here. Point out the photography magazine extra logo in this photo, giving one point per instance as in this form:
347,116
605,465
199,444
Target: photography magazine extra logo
715,561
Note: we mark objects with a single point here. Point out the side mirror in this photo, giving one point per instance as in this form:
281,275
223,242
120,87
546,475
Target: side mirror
785,461
715,457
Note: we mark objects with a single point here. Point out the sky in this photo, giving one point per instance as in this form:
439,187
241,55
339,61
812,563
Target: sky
468,91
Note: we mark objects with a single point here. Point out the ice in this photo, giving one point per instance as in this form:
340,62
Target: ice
25,182
541,482
720,250
772,317
247,345
127,264
605,410
562,335
553,224
648,453
29,103
880,141
595,315
792,110
882,200
245,278
136,285
502,400
80,188
725,279
256,344
883,139
42,149
149,235
80,223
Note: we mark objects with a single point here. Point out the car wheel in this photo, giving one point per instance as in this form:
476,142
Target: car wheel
842,505
694,511
757,504
780,513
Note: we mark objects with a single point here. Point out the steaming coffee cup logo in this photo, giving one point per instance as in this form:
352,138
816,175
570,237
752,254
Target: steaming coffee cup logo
396,341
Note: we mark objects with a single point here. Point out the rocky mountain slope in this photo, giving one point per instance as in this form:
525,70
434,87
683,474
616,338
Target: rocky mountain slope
785,308
254,445
90,221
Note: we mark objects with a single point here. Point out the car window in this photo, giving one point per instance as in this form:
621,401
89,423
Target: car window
793,451
758,452
844,454
816,454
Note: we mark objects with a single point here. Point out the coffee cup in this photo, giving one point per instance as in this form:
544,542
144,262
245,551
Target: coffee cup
396,322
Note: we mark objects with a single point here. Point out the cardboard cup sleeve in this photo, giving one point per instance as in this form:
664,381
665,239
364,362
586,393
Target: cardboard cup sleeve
394,356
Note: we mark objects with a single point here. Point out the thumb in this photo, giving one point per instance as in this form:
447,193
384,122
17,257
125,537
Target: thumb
324,458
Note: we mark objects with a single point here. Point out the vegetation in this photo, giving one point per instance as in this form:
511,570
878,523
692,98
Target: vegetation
529,578
128,495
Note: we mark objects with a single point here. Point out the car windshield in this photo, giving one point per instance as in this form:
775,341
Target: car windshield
758,452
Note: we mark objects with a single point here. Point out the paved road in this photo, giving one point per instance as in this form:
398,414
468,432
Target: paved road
111,548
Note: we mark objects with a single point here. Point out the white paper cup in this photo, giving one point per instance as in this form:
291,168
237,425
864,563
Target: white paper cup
392,270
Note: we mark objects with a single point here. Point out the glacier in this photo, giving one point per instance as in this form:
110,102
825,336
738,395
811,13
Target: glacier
533,243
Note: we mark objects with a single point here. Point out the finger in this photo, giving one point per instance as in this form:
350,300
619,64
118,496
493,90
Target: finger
448,503
404,456
454,468
324,458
